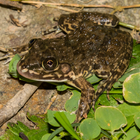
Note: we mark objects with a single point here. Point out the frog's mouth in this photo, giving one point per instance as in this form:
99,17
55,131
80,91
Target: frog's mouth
41,75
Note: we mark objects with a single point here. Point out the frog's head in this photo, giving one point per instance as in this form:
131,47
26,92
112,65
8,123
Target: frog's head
45,62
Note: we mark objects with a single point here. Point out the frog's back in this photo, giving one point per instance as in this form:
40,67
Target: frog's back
96,48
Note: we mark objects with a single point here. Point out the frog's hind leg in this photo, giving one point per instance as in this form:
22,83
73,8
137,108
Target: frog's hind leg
87,97
117,72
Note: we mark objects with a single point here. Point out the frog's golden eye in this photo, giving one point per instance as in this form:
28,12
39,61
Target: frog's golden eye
49,63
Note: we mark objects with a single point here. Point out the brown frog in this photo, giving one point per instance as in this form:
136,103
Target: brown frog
86,49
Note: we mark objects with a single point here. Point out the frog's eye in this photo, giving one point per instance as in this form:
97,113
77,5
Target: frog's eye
49,63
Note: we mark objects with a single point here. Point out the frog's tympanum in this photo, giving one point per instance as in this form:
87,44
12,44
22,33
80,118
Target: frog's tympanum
89,47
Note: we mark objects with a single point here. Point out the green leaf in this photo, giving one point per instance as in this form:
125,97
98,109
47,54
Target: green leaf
13,66
35,134
13,69
102,100
25,79
131,88
131,133
136,55
119,83
128,109
71,105
91,113
137,119
93,79
89,129
136,137
110,118
38,121
52,120
63,87
130,123
23,127
59,130
46,136
63,120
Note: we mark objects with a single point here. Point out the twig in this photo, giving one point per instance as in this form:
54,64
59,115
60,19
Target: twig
131,6
52,100
129,26
17,102
15,5
15,21
69,5
62,8
117,8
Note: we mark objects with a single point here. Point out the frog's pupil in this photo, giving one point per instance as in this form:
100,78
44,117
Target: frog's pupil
50,63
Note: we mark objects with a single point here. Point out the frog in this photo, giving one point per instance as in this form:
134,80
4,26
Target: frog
86,49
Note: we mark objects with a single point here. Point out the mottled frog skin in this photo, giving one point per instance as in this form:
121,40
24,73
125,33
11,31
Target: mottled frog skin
69,22
88,49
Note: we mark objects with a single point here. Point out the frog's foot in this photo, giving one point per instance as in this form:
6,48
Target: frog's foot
55,29
86,100
9,53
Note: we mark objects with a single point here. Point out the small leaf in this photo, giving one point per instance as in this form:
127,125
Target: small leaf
59,130
46,136
131,88
128,109
63,87
136,55
13,69
110,118
13,66
71,105
93,79
52,120
102,100
89,129
130,134
119,83
38,121
63,120
137,119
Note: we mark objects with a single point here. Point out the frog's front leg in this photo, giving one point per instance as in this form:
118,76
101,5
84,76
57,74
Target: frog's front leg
87,97
10,52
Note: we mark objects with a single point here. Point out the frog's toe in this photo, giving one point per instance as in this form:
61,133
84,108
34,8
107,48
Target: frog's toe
8,55
55,29
2,49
